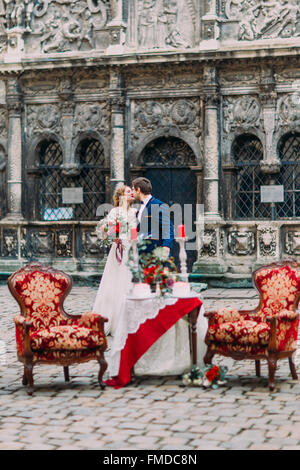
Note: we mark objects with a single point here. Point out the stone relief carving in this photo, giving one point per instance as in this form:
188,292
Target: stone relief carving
181,77
292,243
182,113
263,19
64,243
92,116
242,112
288,110
10,243
59,25
90,244
241,243
267,241
3,123
45,117
163,23
240,77
209,243
41,243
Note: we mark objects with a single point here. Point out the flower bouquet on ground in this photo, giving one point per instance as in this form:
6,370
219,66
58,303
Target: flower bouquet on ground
208,376
155,268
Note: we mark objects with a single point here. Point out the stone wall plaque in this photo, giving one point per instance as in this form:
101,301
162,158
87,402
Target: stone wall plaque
72,195
272,193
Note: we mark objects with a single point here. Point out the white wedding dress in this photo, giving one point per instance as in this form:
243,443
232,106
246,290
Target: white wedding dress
170,355
116,279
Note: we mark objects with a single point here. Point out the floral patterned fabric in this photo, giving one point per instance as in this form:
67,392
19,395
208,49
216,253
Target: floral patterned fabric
66,337
41,293
233,330
240,332
53,334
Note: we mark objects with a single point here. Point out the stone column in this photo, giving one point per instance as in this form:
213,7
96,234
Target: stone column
271,163
117,102
210,253
211,146
210,26
70,166
14,151
117,29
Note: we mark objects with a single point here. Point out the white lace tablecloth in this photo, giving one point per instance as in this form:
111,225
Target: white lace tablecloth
133,314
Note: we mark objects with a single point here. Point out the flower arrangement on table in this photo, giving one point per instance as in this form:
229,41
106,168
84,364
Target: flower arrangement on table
156,268
111,229
208,376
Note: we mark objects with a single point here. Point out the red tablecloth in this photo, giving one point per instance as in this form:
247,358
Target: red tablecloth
149,332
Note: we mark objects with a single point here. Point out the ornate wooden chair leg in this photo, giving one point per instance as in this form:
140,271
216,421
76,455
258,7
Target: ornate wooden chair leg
103,366
257,368
293,368
208,356
272,363
66,374
25,380
29,376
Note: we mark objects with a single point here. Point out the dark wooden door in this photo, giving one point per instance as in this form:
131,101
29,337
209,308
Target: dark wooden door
176,185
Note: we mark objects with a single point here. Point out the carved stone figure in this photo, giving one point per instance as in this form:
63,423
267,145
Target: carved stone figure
88,116
267,242
264,18
43,117
292,243
209,243
147,25
183,113
149,115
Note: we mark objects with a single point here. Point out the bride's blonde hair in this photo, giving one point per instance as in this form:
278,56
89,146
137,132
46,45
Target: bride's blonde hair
119,194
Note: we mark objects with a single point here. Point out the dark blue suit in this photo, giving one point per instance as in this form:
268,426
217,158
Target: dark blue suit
156,224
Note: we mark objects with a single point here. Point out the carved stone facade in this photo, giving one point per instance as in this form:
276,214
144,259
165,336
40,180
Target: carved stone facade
96,92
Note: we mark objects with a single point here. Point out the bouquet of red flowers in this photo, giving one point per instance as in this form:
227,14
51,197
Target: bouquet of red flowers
208,376
109,230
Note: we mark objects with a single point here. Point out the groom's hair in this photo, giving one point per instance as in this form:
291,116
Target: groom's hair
143,183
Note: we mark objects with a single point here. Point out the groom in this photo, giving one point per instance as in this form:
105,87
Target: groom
153,217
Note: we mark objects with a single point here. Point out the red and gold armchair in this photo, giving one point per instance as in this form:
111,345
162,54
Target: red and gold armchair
270,331
45,333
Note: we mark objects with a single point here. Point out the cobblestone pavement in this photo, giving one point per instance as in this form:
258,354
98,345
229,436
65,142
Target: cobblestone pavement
153,413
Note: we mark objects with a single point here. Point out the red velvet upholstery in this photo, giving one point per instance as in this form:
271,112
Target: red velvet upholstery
44,332
270,331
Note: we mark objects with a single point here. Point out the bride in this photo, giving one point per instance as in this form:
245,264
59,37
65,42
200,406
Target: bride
116,273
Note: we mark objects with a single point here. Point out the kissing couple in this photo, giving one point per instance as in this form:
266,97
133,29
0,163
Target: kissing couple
152,221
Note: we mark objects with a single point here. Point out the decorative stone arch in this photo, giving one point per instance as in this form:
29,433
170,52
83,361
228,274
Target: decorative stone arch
92,135
233,136
137,151
33,147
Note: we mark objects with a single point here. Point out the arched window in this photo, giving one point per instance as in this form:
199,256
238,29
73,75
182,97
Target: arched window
289,176
50,204
247,153
90,155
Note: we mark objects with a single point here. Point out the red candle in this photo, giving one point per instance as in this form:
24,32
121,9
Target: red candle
133,233
181,231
